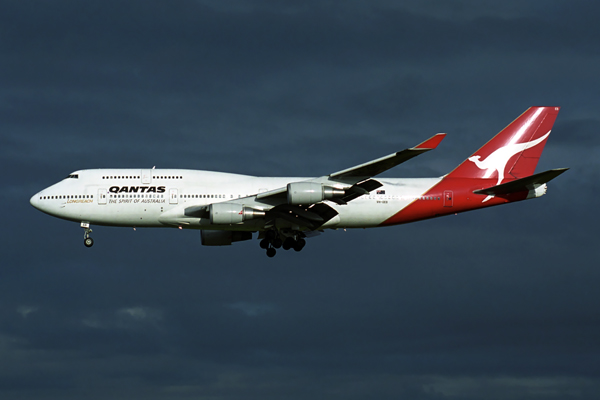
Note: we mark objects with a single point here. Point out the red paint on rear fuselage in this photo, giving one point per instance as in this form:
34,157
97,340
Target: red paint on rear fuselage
462,199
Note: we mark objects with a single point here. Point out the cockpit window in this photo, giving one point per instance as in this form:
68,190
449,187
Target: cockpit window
72,176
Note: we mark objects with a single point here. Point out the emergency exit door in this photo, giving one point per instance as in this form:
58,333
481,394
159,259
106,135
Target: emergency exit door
101,196
172,196
448,198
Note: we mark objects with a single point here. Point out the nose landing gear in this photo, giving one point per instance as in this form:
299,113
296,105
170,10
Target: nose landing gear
87,240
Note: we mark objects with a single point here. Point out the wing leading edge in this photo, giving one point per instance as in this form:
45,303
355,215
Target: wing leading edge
382,164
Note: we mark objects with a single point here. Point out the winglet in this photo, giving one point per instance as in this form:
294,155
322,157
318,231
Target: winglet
432,142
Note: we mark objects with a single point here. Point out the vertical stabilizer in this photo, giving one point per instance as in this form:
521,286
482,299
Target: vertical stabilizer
514,152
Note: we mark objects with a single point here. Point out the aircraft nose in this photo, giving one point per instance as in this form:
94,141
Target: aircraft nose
35,200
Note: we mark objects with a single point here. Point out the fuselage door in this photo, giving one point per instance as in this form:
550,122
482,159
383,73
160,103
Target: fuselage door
146,176
172,196
448,198
101,196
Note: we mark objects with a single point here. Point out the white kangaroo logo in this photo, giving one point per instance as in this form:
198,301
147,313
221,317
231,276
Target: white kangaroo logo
496,162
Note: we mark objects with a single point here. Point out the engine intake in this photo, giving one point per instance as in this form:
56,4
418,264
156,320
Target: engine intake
232,213
311,192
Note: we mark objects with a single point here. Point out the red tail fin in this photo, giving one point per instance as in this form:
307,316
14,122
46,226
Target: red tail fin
515,151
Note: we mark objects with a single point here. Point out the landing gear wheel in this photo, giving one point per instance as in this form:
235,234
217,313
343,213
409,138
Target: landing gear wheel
88,242
299,245
271,252
288,243
277,242
264,244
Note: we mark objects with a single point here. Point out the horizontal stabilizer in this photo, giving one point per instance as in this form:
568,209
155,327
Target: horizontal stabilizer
382,164
523,184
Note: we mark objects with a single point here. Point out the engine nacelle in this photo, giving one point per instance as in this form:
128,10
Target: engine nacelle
223,238
232,213
310,193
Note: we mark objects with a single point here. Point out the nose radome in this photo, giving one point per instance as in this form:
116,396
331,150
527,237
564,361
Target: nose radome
35,200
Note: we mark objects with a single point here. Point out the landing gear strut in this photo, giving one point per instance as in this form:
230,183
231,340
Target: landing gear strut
87,240
269,243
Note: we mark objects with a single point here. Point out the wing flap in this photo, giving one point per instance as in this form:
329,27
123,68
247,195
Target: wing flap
311,217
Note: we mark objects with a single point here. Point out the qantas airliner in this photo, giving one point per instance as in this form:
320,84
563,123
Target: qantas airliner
228,208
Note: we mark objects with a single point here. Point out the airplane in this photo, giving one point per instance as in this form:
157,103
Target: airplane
229,208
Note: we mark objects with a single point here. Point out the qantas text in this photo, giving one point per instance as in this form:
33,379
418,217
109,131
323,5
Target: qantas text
136,189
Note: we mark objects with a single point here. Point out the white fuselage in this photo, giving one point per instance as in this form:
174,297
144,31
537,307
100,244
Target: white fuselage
158,198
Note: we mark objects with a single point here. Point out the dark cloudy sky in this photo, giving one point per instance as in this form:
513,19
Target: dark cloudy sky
502,303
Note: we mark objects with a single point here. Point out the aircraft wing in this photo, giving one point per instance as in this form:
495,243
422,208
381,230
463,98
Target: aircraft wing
356,180
382,164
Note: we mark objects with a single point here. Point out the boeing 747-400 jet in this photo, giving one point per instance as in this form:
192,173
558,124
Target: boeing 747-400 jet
228,208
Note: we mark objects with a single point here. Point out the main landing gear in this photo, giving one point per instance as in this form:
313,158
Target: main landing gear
87,240
273,240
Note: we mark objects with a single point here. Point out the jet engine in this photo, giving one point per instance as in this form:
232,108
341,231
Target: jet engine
310,193
232,213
